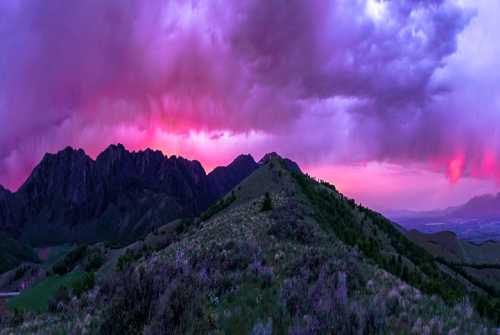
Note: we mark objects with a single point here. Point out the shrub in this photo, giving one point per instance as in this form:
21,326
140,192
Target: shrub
164,300
126,259
60,297
267,204
69,261
295,230
20,272
93,262
84,284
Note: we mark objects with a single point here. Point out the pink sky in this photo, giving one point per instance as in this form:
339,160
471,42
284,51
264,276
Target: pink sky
395,102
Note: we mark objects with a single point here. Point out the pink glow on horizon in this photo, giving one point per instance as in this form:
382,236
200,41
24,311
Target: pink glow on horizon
384,186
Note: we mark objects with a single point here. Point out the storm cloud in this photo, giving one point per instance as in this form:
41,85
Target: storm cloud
320,81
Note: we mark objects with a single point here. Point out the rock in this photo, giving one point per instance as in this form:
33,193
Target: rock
120,195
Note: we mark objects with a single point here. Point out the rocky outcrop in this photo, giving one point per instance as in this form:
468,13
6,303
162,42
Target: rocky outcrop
289,164
120,194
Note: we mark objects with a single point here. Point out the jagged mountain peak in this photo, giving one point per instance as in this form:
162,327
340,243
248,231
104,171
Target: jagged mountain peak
273,156
223,178
243,159
269,156
113,153
67,151
124,193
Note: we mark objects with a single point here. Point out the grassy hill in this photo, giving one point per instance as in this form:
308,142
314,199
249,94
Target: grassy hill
36,298
280,254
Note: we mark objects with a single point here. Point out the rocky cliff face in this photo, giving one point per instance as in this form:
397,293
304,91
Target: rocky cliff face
121,194
7,210
67,179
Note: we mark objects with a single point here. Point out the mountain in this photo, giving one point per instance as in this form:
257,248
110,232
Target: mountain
223,178
478,220
7,210
289,164
484,206
280,253
450,247
120,196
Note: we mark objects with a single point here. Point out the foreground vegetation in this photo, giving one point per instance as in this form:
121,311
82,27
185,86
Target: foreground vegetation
37,297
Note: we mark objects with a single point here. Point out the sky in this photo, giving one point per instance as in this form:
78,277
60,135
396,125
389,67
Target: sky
396,102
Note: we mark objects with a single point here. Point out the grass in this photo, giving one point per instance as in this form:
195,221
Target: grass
36,298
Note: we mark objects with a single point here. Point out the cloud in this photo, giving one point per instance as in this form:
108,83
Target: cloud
323,81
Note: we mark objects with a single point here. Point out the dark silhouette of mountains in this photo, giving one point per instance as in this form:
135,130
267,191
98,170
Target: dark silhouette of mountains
118,196
9,210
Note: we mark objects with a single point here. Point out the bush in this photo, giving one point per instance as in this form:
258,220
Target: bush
60,297
69,261
20,272
84,284
126,259
267,205
166,300
93,262
295,230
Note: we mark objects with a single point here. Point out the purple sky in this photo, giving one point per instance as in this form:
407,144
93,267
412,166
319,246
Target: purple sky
395,102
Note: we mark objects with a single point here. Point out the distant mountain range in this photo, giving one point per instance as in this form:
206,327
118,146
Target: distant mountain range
120,195
485,206
477,220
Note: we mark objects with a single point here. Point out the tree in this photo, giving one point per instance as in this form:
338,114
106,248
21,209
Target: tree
267,205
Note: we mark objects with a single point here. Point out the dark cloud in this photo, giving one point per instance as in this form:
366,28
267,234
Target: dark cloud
86,72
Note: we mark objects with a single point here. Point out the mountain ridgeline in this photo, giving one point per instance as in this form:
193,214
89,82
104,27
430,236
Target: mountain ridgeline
119,196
